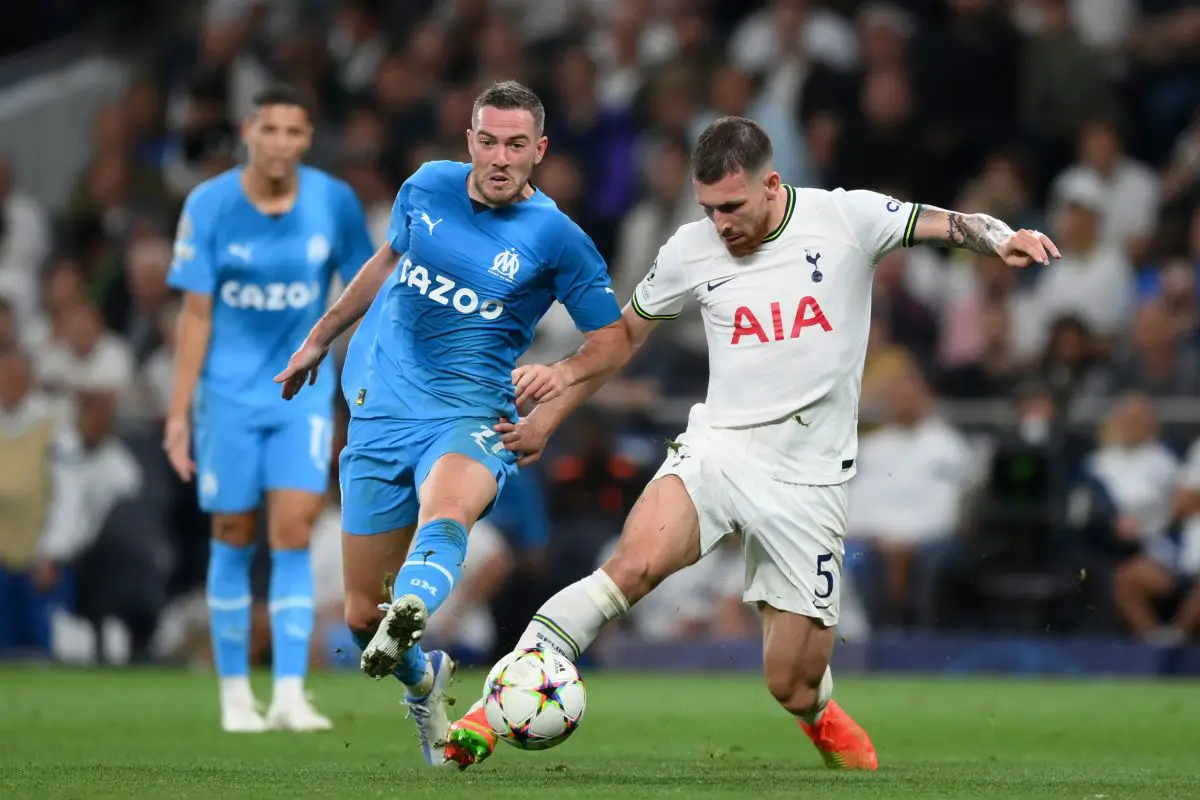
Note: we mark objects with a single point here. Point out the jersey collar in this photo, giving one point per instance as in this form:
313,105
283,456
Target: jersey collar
787,216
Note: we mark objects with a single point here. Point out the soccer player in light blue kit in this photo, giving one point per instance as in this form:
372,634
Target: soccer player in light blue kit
256,249
475,256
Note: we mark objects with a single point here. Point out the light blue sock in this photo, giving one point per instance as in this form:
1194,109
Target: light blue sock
434,565
292,614
229,607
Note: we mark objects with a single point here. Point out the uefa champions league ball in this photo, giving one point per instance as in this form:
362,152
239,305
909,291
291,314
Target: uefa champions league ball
534,699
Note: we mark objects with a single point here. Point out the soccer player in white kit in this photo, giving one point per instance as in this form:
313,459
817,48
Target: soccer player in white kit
783,277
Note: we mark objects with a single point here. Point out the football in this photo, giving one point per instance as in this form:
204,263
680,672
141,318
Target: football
534,699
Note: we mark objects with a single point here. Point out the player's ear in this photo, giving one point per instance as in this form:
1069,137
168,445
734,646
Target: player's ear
540,151
247,125
773,181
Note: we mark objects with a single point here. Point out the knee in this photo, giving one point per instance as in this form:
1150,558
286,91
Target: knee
362,613
794,684
235,530
291,529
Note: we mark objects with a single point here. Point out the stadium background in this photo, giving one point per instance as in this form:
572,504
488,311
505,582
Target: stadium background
1026,472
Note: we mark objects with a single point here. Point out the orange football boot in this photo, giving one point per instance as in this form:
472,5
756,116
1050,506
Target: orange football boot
842,743
470,739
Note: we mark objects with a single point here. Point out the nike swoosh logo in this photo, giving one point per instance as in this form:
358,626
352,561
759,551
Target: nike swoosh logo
714,284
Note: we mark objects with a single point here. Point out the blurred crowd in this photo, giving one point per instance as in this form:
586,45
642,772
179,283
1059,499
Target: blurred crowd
1072,505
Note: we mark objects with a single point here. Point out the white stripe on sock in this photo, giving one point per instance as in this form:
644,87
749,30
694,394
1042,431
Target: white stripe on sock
438,567
284,603
221,604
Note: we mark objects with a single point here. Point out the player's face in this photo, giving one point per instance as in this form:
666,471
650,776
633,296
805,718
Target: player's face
505,146
277,137
739,205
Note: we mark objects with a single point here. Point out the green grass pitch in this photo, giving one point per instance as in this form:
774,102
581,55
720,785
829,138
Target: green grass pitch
153,734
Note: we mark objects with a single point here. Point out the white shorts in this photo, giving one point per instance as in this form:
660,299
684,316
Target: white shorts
792,534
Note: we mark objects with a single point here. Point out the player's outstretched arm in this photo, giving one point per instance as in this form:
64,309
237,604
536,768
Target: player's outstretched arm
193,332
604,352
304,364
980,233
529,436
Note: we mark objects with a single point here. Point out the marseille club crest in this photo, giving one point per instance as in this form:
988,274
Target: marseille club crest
506,264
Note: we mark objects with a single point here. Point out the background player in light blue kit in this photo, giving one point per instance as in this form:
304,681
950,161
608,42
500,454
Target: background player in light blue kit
255,252
481,255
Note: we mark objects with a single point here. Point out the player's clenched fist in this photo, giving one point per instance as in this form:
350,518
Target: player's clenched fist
540,383
1026,247
302,368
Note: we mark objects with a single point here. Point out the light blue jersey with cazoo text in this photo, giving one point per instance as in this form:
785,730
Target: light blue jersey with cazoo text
445,332
268,276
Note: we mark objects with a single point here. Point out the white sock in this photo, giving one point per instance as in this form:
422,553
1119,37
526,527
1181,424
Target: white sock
236,692
570,621
288,691
824,694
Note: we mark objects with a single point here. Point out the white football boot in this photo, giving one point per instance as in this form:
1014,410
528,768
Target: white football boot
431,711
296,714
239,709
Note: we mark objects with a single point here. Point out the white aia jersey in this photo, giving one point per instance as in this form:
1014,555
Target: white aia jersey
787,326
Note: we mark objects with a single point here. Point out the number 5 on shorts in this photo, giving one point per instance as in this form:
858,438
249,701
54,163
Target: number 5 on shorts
826,574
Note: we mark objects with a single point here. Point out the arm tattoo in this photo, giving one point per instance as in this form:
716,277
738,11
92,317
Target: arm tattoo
978,233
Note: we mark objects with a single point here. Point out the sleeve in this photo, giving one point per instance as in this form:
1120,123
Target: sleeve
355,247
194,266
661,294
397,232
877,222
581,283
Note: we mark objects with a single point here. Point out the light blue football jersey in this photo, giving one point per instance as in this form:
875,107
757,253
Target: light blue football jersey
269,280
445,333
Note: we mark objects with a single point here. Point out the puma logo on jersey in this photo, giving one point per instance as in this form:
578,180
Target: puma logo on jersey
429,222
270,296
447,292
746,324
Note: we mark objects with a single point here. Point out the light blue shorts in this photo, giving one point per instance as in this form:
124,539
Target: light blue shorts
386,461
237,461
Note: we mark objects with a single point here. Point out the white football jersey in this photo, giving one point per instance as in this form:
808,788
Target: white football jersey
787,325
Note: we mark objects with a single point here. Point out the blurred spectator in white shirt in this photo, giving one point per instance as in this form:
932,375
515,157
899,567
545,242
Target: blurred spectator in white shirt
1094,280
27,241
1130,191
913,475
24,244
86,356
1139,473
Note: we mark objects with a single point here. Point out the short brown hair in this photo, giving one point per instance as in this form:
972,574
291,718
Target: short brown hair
511,96
730,145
